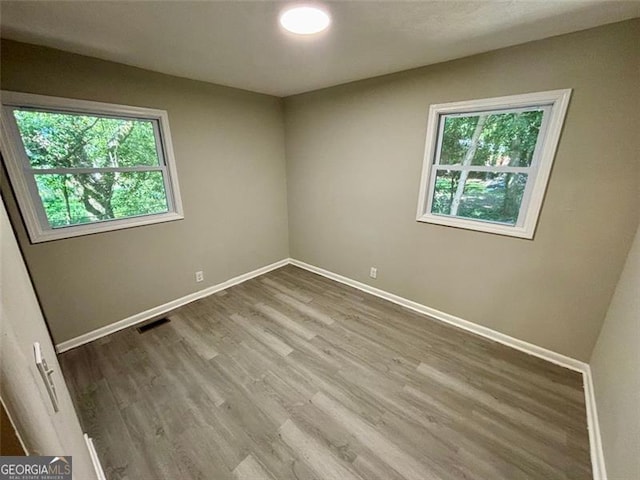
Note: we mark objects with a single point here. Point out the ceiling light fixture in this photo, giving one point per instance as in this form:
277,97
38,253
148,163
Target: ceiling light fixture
305,20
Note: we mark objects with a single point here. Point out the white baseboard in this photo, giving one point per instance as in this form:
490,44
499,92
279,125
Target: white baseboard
94,457
595,440
595,443
597,456
165,308
486,332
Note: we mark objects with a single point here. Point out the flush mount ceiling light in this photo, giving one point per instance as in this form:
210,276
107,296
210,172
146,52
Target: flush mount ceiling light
305,20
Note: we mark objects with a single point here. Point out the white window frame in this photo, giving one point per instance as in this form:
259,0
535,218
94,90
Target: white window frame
554,103
22,176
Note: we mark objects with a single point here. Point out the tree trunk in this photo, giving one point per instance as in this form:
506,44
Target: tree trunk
468,157
86,200
509,194
65,192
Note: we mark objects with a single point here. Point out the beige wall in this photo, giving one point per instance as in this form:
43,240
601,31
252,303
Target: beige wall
616,378
229,150
354,156
22,391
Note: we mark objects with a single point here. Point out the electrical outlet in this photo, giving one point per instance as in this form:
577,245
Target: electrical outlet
199,276
373,273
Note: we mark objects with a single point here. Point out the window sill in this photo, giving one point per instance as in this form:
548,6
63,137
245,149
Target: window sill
487,227
101,227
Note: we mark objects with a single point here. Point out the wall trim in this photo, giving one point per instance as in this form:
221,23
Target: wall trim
531,349
94,457
595,441
165,308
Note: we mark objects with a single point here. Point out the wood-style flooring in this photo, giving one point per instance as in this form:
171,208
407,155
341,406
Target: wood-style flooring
294,376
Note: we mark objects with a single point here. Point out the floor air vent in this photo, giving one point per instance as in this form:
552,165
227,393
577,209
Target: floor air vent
156,323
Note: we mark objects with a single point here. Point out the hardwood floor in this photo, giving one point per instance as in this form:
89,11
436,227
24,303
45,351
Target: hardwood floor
293,376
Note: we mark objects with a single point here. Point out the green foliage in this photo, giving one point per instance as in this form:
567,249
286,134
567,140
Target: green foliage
486,195
67,140
506,139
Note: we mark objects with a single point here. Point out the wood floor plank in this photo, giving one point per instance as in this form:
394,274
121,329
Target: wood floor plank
531,422
315,454
386,450
263,336
285,321
292,376
371,467
187,331
250,469
305,309
292,292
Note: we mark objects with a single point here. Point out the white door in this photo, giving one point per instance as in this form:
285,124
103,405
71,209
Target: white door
22,389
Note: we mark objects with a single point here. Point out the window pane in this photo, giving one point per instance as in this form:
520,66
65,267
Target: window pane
494,197
70,140
87,198
491,139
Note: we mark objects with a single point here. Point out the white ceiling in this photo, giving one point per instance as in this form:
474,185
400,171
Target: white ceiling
240,44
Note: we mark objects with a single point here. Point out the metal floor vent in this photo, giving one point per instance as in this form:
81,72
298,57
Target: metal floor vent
156,323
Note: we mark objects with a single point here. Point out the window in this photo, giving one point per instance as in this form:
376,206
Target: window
487,162
80,167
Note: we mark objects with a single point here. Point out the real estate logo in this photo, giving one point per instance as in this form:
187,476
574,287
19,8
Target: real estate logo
35,468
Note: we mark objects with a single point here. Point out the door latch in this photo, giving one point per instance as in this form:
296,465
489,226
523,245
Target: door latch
46,373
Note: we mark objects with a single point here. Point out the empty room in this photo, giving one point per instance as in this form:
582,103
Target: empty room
335,240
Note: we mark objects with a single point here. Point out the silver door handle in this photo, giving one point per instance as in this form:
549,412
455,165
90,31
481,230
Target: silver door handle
46,373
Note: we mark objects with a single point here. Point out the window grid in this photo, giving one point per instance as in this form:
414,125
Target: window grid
529,170
553,106
23,174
